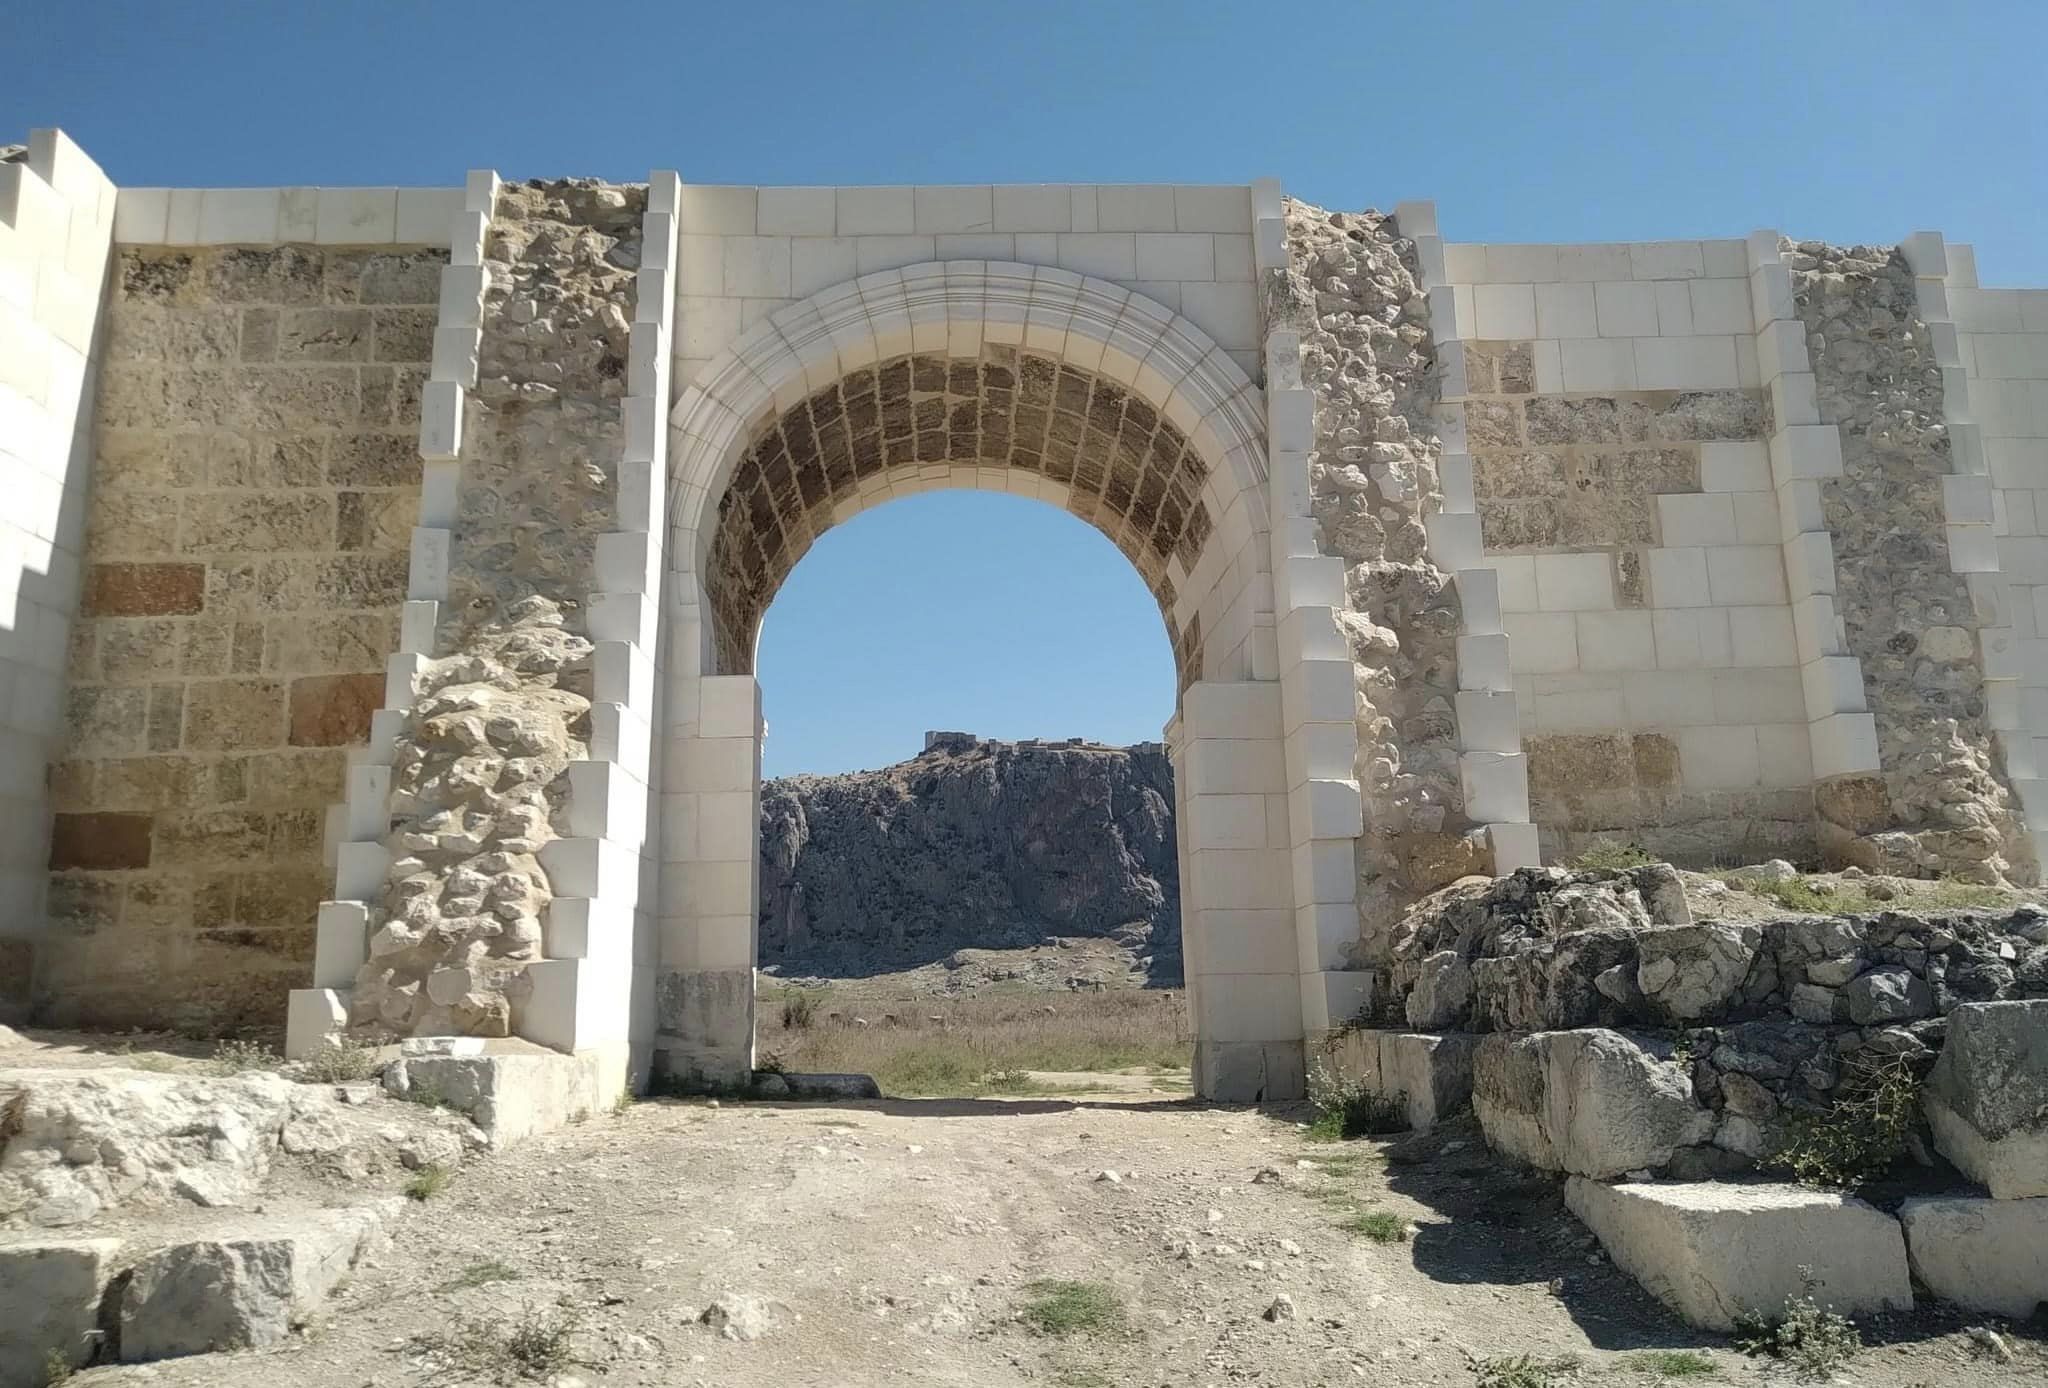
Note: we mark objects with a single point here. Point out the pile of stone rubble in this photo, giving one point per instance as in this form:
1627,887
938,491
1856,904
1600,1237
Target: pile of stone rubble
1660,1063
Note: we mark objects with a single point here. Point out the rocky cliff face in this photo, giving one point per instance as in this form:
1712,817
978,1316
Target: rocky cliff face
971,844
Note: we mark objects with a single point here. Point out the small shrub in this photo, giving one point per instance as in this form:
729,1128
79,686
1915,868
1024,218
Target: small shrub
1525,1371
1010,1080
236,1057
535,1346
1060,1308
1377,1225
1612,857
1814,1340
1858,1137
480,1275
800,1008
424,1092
1674,1363
1347,1109
340,1061
428,1182
57,1367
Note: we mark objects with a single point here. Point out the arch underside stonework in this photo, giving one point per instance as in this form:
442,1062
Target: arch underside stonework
1014,378
924,419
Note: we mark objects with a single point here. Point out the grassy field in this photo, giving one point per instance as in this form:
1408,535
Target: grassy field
980,1043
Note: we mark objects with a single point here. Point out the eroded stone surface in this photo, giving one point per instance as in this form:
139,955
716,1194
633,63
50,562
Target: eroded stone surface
51,1292
1352,290
1944,806
1591,1102
1987,1255
1987,1096
1713,1251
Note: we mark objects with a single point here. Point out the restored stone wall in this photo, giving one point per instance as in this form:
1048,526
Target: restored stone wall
1941,804
480,772
255,483
1353,292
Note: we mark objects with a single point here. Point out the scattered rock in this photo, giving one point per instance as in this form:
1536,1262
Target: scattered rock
1281,1309
738,1317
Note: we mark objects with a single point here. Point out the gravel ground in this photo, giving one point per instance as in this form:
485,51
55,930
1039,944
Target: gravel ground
894,1242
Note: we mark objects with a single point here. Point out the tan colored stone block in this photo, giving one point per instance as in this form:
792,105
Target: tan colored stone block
1572,763
74,785
317,645
377,521
359,581
84,903
401,277
286,896
404,334
151,783
143,590
288,399
330,710
234,715
105,720
248,587
204,646
247,655
296,832
259,335
145,458
99,842
270,463
1655,757
323,334
270,275
1519,524
255,523
128,523
211,838
295,778
157,276
133,649
372,459
166,716
1505,473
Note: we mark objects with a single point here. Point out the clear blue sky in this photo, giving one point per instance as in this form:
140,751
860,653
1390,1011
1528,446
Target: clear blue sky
1526,122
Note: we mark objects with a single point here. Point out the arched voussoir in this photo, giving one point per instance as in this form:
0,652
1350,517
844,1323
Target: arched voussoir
1005,376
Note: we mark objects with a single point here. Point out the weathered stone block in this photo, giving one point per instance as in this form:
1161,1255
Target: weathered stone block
511,1091
1713,1251
1987,1096
51,1294
1591,1102
257,522
99,842
1987,1255
330,710
234,715
243,1291
144,590
1432,1074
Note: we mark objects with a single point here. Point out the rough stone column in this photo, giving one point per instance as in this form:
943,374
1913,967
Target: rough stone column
1941,803
1353,292
480,783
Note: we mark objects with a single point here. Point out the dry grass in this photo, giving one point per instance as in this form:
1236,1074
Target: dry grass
977,1044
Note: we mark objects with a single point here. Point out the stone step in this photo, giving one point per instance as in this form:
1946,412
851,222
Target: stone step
1987,1255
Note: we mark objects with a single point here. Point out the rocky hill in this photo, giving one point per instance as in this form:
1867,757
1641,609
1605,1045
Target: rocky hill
971,845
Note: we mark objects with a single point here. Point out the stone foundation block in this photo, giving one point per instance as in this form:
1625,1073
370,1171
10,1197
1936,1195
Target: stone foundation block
1250,1072
1987,1255
1987,1096
50,1303
1713,1251
513,1090
243,1291
1591,1102
1431,1074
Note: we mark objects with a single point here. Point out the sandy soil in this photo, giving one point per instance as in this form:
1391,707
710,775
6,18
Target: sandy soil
896,1241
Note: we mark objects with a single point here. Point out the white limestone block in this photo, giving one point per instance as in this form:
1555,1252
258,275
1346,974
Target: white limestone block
312,1016
341,943
1714,1251
1985,1255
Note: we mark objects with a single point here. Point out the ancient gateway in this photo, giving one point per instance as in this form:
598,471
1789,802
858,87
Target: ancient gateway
384,568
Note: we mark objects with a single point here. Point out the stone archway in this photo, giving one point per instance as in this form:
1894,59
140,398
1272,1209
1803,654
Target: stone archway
1013,378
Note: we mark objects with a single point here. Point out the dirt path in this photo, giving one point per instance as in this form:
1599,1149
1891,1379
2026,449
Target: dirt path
898,1239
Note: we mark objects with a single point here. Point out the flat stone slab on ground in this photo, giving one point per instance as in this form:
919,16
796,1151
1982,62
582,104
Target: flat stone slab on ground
1714,1250
49,1303
513,1090
1987,1255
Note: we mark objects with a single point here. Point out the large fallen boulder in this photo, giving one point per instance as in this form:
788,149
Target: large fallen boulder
1592,1102
1987,1255
1987,1096
1714,1251
242,1290
50,1304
